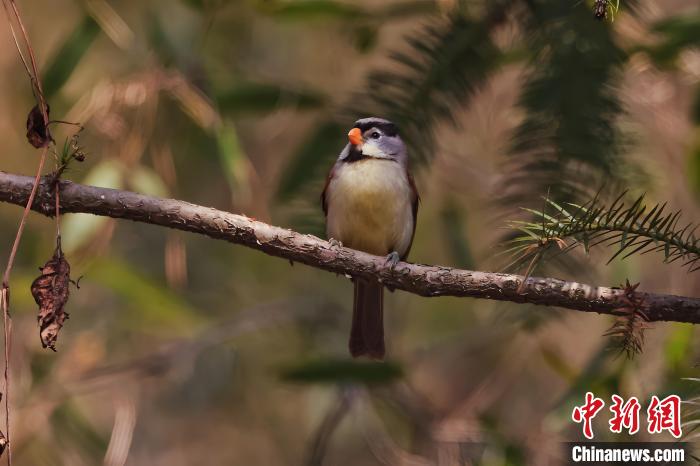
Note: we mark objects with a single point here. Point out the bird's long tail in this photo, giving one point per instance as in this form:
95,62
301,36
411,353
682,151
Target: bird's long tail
367,333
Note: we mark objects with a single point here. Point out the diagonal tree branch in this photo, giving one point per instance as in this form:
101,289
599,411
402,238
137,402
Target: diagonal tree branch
423,280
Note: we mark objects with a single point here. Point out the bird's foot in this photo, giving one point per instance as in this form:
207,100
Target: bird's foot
391,260
335,244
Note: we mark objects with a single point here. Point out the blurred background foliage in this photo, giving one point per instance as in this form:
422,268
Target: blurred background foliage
182,350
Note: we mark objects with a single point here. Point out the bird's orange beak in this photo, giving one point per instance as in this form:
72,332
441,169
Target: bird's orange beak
355,136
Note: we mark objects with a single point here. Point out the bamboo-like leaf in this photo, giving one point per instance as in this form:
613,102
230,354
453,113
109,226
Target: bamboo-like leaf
246,98
69,55
310,9
343,371
314,156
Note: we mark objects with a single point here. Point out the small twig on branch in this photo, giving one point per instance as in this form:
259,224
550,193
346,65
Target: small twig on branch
423,280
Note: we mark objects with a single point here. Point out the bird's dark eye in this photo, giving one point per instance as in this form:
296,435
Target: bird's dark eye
375,135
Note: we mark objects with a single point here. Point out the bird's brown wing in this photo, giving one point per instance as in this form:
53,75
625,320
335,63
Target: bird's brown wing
415,200
324,203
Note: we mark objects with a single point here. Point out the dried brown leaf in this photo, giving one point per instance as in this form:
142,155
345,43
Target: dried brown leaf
51,290
38,134
3,443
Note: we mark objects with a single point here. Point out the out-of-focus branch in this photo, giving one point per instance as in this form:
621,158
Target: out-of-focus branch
423,280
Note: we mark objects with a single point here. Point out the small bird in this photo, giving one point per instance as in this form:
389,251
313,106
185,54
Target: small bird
371,204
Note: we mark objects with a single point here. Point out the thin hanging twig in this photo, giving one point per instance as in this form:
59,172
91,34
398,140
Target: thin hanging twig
43,108
14,37
6,388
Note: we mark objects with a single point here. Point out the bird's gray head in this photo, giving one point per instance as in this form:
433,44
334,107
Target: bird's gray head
376,138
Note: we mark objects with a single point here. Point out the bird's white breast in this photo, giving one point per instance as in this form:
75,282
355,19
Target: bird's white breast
370,206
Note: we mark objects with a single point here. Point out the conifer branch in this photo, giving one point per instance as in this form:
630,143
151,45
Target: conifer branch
630,229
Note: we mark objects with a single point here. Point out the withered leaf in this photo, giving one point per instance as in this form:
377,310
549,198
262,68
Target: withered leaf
3,443
38,134
50,291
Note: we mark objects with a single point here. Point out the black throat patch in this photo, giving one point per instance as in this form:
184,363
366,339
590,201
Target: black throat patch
355,155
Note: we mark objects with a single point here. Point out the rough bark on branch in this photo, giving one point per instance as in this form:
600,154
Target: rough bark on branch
423,280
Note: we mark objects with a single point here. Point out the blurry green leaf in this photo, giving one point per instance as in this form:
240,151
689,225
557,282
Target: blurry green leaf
678,344
177,38
69,55
346,11
555,361
159,40
41,365
144,180
309,219
396,10
678,33
217,365
694,167
73,428
229,149
77,229
254,97
500,448
313,9
232,156
195,104
365,38
106,174
195,4
695,109
152,307
601,372
315,156
453,225
343,371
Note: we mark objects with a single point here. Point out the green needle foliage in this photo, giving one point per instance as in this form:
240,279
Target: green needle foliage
677,34
568,139
627,332
441,69
630,229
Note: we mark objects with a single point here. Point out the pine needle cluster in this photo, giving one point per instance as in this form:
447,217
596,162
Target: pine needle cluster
628,228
